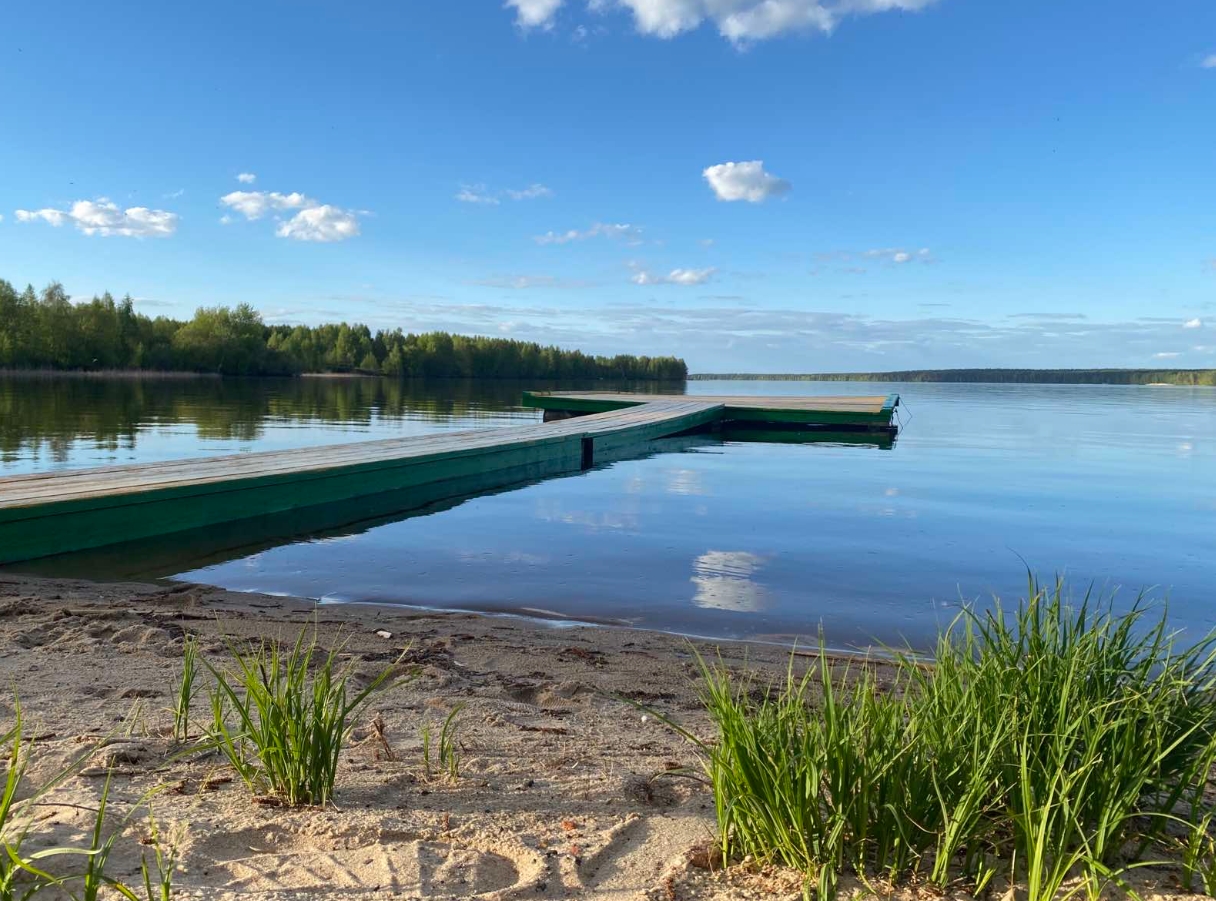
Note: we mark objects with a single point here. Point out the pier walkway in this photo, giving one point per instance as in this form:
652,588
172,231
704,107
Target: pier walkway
45,514
875,411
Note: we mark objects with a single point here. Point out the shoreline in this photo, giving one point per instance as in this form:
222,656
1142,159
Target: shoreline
117,374
556,796
561,791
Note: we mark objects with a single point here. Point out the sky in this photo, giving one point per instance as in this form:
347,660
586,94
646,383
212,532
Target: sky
754,185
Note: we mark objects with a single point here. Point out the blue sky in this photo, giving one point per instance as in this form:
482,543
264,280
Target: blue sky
756,185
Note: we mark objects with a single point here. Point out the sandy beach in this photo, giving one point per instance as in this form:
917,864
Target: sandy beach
556,796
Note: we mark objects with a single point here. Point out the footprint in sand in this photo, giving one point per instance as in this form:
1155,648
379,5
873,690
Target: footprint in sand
258,861
635,856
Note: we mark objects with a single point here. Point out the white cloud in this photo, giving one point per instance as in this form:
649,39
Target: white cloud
623,231
173,195
246,178
532,192
686,277
769,19
745,181
1166,355
526,282
320,223
256,204
476,194
899,255
55,217
105,218
741,21
479,193
314,221
534,13
1193,323
1209,62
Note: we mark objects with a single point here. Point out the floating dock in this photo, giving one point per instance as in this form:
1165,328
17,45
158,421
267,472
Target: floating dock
863,412
46,514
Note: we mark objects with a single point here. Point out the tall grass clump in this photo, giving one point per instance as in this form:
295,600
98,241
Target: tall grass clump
817,786
1055,745
281,718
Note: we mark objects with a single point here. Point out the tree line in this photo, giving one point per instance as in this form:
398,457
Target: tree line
1025,376
46,330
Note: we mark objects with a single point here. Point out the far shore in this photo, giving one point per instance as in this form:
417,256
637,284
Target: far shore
105,374
1143,378
357,374
1138,377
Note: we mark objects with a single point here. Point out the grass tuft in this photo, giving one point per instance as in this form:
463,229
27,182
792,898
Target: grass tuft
447,748
184,690
281,718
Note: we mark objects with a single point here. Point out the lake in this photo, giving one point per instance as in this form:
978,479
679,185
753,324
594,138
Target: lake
1114,486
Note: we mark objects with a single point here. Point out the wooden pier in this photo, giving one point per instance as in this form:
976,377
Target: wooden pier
45,514
860,412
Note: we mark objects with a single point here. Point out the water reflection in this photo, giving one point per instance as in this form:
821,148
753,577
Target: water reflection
724,581
1114,485
684,481
554,510
51,422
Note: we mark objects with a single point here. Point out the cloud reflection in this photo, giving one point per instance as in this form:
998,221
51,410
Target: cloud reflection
684,481
724,581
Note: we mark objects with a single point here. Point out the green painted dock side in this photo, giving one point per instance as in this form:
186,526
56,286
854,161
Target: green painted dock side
47,514
55,513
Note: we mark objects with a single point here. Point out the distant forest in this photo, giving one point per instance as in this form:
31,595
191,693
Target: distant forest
46,330
1029,376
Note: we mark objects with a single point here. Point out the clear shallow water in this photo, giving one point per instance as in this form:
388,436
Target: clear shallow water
1115,485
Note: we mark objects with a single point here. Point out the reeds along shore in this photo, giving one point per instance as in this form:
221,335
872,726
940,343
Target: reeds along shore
1054,747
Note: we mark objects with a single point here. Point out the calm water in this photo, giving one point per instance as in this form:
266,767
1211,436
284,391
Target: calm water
1115,485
